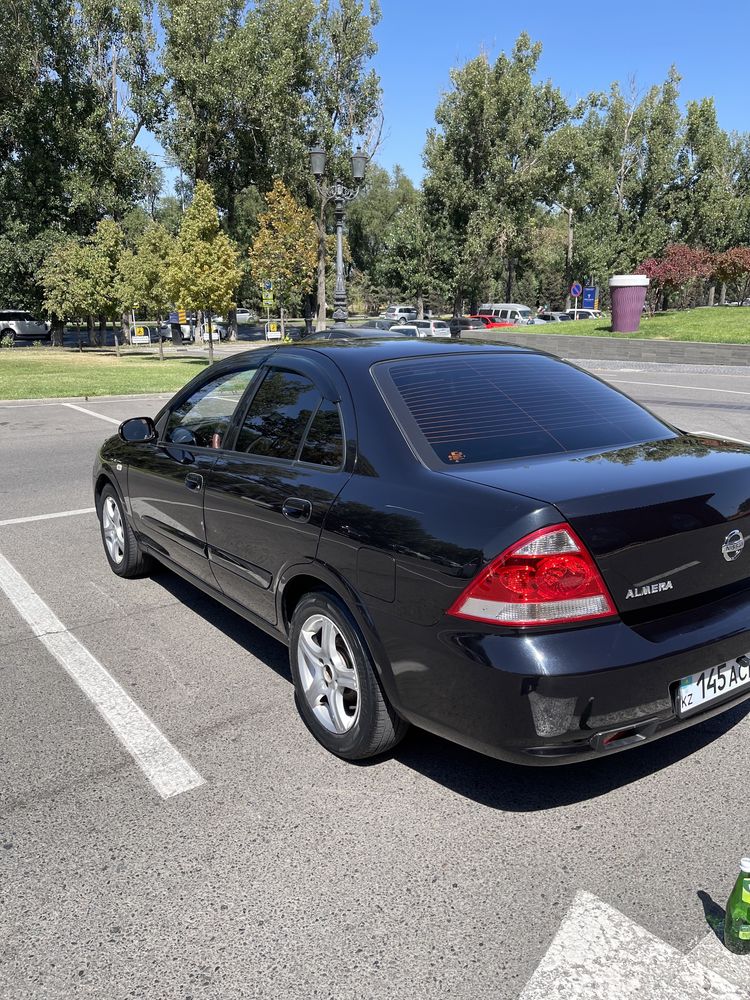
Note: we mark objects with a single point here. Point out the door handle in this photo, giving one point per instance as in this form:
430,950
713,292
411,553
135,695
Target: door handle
297,509
193,481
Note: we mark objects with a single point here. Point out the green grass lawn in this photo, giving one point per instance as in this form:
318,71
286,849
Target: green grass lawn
718,325
37,374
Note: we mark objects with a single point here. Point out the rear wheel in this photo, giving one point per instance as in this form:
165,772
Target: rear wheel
124,554
336,687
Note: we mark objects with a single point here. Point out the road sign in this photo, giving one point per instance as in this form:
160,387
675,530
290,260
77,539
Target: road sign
575,289
182,315
174,317
267,298
140,335
267,285
590,297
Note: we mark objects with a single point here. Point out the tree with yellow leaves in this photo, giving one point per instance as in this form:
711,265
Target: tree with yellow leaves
285,247
204,265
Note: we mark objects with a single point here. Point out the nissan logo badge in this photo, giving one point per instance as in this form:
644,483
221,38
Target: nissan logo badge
733,545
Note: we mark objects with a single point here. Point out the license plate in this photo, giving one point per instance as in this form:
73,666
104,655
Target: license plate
712,684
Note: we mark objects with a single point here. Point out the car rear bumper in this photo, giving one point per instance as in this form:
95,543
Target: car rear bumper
546,698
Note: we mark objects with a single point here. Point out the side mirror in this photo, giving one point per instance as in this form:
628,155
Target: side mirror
137,429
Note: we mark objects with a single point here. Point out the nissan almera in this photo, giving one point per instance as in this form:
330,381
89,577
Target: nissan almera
480,540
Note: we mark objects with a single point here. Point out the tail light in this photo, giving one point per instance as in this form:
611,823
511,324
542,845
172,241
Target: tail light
548,577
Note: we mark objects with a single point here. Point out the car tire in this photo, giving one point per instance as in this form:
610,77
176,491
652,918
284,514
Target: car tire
124,554
336,687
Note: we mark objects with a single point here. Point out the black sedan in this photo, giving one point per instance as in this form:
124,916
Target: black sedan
482,540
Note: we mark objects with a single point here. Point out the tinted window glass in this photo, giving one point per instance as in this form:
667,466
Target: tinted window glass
278,415
493,407
503,314
563,317
324,444
203,418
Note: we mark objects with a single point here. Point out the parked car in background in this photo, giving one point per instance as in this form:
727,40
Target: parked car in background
585,313
554,317
512,312
490,323
244,316
459,324
400,313
355,333
424,328
22,326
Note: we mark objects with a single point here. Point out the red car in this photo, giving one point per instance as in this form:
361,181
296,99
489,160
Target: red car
491,323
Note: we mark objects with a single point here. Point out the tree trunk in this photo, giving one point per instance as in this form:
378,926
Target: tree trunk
711,293
206,324
232,317
456,305
125,328
57,329
307,306
90,329
723,294
420,306
102,336
320,318
509,282
283,325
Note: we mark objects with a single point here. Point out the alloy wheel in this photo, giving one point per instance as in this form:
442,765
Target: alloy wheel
328,675
114,535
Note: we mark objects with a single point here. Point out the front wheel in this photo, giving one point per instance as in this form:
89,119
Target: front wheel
336,687
124,555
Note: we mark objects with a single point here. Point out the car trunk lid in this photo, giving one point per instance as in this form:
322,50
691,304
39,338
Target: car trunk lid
665,521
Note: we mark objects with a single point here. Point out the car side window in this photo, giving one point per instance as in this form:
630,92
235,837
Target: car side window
503,314
203,418
278,415
324,442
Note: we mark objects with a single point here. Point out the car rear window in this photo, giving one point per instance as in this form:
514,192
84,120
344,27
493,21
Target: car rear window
495,407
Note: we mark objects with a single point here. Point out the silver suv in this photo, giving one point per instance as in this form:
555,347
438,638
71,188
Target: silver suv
22,326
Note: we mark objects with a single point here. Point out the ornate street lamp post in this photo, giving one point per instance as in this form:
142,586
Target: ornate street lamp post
340,196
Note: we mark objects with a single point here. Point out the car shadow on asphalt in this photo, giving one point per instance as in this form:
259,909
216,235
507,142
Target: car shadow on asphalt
492,783
514,788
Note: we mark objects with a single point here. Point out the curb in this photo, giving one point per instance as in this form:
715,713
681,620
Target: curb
52,400
684,352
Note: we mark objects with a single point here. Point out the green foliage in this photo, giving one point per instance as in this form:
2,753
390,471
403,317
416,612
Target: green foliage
373,212
142,271
204,269
285,247
410,258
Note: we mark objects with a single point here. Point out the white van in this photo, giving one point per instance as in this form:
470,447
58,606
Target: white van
509,312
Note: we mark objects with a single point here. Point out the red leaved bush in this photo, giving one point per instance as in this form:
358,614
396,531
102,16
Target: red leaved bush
678,265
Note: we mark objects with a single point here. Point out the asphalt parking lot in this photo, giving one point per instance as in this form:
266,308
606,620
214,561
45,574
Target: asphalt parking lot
282,872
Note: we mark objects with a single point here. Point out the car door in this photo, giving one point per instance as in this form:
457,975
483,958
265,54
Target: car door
166,480
266,499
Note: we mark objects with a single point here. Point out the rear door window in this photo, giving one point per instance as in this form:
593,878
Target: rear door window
278,416
324,441
495,407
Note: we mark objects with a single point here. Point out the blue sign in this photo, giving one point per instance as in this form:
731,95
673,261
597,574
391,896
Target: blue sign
590,295
267,285
174,317
575,289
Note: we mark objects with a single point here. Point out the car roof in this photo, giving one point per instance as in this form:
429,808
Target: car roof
362,353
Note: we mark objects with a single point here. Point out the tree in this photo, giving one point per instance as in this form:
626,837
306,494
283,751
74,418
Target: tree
142,272
373,212
679,265
491,160
343,101
59,277
409,257
204,269
732,267
284,248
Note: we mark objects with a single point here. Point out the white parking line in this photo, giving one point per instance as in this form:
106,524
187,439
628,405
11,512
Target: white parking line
160,761
600,954
92,413
690,388
47,517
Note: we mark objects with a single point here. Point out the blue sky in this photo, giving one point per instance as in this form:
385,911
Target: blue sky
419,41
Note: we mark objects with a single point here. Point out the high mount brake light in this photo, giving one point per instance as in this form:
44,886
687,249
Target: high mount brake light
546,578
